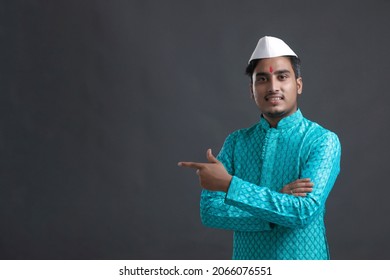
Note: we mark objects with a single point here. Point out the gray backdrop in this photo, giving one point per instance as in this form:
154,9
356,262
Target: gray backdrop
101,99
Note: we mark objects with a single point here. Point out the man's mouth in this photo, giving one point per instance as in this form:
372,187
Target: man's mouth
274,98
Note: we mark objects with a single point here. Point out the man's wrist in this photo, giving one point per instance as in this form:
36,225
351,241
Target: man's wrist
227,184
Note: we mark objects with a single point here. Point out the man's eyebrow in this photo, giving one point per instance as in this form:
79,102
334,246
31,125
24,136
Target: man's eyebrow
282,71
262,74
278,72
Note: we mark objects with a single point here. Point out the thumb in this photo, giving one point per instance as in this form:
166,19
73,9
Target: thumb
211,158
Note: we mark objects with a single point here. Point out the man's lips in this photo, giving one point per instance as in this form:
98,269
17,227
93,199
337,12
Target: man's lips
274,98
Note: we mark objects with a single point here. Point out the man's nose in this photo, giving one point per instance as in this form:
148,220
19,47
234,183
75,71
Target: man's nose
273,85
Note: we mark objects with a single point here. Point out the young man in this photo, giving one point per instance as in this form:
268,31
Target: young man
270,182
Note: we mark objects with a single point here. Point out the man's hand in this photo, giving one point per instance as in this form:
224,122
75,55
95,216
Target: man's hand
299,187
212,175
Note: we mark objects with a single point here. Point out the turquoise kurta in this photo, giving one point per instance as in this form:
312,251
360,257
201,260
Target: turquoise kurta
266,223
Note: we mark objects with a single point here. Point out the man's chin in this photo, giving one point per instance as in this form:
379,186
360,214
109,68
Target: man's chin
275,114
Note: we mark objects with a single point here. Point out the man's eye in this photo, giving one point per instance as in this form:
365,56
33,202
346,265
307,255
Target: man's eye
261,79
283,77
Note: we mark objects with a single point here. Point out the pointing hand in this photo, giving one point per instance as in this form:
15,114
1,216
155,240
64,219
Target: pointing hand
212,175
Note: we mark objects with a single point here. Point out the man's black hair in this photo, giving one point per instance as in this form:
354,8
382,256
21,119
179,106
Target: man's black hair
295,63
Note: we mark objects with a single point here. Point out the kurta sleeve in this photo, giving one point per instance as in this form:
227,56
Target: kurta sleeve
216,213
322,167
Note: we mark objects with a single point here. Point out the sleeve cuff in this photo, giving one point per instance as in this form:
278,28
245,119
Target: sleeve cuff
234,188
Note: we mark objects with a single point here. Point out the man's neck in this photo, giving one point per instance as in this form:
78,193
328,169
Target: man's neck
273,120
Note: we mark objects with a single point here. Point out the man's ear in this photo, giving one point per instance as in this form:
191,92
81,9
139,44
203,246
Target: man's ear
251,90
299,85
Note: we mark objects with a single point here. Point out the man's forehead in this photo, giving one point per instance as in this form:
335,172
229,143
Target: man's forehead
273,64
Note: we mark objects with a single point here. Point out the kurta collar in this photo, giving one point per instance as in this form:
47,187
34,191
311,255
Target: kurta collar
285,123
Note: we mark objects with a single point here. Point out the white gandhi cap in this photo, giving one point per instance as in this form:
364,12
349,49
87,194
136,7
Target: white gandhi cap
268,47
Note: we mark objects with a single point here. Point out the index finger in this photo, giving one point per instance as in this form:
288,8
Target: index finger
303,180
190,164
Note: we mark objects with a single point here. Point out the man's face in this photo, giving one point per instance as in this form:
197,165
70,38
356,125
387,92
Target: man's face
275,88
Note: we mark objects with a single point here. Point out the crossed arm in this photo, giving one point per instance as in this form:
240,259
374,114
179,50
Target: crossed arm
214,177
227,199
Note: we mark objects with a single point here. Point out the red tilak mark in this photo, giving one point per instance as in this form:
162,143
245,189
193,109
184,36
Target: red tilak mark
270,69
